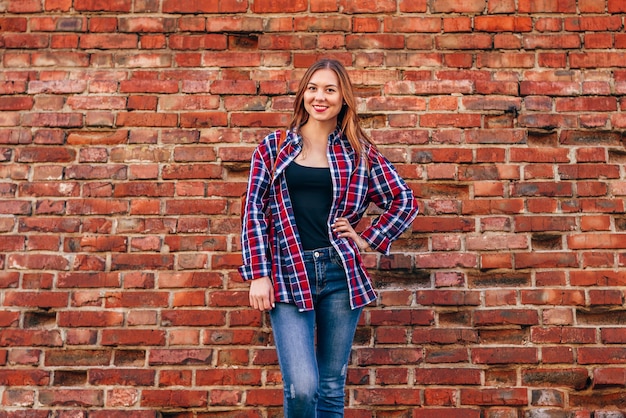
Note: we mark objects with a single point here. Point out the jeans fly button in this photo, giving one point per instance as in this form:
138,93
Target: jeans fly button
316,254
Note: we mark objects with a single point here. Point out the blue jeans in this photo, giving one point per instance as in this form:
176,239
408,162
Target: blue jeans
314,375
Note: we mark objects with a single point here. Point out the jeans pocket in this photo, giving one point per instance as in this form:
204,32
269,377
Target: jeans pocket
336,259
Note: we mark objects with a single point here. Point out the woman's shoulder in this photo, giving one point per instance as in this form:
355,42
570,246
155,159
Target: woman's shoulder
371,151
272,143
274,138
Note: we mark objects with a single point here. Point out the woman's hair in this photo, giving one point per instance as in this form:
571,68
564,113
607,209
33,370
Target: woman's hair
348,119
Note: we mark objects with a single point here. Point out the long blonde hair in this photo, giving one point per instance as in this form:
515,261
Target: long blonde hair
348,119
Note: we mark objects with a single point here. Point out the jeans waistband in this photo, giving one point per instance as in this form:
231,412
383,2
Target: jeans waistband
320,254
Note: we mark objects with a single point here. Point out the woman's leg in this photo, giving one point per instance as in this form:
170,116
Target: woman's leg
295,345
336,323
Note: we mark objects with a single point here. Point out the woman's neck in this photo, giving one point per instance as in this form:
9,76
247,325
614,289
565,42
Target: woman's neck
318,131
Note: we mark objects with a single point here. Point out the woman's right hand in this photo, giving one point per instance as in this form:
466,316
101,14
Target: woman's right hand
262,294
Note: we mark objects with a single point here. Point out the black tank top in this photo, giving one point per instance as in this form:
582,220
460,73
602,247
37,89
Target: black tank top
311,193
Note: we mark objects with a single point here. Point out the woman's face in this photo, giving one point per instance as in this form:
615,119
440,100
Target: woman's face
322,97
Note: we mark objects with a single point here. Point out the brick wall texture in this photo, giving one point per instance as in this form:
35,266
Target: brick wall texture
126,128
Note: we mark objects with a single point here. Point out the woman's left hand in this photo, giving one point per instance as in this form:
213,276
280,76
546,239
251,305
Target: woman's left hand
343,229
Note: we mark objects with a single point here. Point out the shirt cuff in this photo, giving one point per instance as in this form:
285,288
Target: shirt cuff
377,240
251,272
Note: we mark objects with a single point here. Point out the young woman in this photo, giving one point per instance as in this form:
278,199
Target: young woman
307,190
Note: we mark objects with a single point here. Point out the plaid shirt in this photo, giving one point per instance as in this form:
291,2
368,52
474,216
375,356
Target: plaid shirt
354,187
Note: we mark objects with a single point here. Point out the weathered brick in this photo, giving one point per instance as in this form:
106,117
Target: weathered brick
509,397
174,398
121,377
386,396
17,377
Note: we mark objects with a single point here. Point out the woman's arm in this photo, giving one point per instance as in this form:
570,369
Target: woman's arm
388,191
255,218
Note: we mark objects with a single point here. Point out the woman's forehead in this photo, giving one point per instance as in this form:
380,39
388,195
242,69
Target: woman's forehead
324,76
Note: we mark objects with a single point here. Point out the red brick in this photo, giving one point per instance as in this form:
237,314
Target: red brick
457,24
454,412
612,336
265,397
190,6
16,103
374,41
198,42
38,299
392,376
462,42
597,59
574,378
596,241
590,171
54,120
599,41
182,317
616,6
18,377
502,24
458,60
174,378
25,41
546,6
102,5
505,60
439,376
180,356
412,24
433,120
13,24
30,338
605,297
282,6
134,337
174,398
599,104
413,6
609,377
90,319
553,297
593,24
601,355
507,41
232,24
451,6
387,396
444,298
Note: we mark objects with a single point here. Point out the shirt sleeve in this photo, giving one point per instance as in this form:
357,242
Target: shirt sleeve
255,218
389,192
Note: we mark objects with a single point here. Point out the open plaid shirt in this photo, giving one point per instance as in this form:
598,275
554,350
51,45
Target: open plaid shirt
278,254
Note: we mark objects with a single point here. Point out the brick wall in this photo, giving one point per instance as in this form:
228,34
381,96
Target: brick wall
125,132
